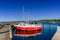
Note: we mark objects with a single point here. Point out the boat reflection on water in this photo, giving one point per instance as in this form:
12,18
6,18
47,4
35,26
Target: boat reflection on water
27,29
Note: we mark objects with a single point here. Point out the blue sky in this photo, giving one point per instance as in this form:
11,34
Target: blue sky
12,10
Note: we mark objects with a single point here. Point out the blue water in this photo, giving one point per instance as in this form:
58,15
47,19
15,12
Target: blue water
48,31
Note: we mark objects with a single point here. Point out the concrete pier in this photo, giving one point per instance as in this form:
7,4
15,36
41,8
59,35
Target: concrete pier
57,34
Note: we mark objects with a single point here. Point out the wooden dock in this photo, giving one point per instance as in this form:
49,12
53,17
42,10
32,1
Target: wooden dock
57,34
5,33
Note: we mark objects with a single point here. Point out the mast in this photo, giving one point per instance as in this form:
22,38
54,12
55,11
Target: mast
24,14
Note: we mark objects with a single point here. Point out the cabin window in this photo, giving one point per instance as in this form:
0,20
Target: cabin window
23,24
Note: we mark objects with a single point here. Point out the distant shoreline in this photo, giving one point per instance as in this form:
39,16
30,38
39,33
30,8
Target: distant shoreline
53,20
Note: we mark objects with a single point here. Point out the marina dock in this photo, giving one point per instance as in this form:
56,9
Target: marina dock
6,33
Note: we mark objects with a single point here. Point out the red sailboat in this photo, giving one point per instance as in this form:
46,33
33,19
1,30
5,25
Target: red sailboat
28,28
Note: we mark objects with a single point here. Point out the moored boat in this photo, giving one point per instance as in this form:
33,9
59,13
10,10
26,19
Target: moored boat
28,28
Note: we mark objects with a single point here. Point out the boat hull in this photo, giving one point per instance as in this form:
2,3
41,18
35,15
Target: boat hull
28,30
